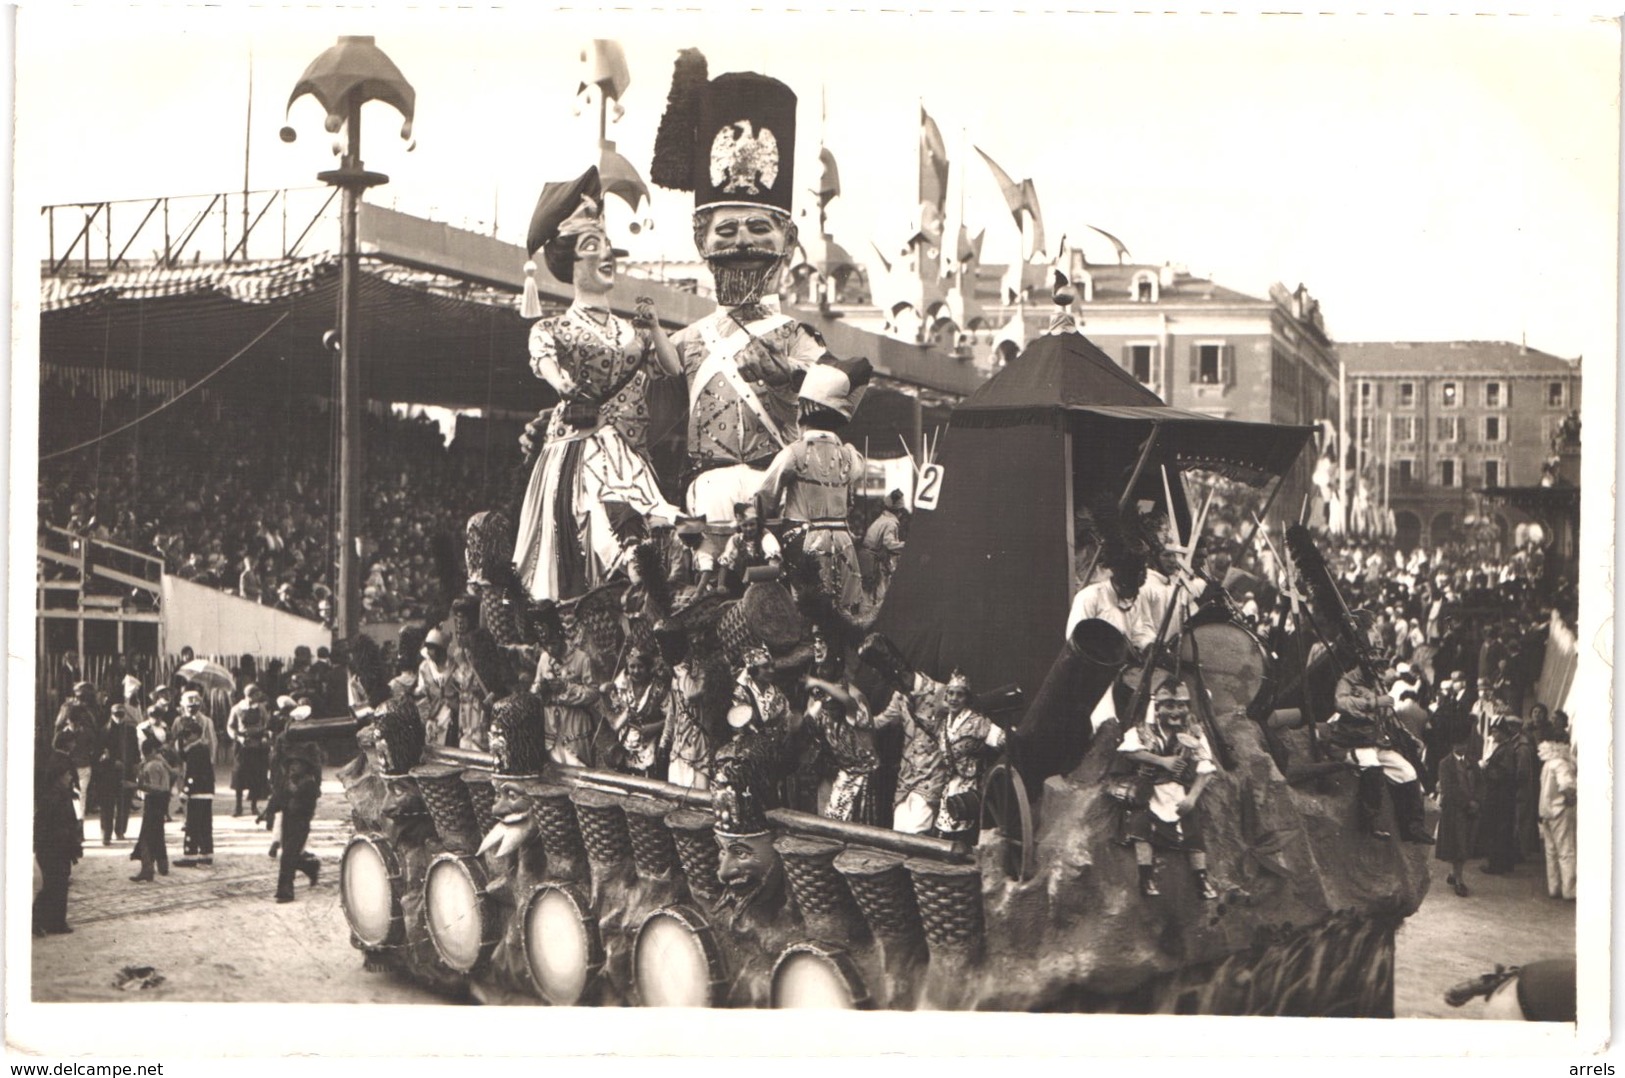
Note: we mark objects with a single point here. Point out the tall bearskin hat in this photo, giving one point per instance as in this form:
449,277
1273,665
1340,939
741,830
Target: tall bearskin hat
407,653
401,736
734,804
730,140
365,662
544,618
487,545
519,736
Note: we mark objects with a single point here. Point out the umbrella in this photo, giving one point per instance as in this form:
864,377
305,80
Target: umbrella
211,675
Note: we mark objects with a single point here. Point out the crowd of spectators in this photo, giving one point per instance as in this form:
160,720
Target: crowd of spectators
239,496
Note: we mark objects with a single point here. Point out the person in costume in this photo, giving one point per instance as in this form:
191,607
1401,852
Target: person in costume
751,546
1366,728
435,691
250,727
592,484
197,787
1178,764
965,738
637,706
816,475
154,780
58,842
882,543
686,742
1165,581
1111,600
295,800
731,142
568,692
116,764
690,571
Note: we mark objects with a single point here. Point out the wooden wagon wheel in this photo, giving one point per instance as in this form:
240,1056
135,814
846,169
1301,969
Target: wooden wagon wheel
1005,806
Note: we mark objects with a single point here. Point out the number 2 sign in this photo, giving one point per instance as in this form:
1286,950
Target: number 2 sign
928,486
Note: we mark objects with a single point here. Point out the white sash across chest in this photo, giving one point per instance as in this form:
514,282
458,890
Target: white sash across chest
720,353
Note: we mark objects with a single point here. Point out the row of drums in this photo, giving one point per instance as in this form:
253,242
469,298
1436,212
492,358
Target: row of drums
676,961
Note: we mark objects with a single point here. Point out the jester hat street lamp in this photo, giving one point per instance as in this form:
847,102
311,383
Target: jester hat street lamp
344,78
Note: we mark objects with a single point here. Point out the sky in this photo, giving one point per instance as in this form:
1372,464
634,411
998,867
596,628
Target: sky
1426,177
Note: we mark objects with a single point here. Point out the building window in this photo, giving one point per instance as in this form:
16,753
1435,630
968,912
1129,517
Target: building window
1365,428
1406,472
1407,394
1492,473
1444,428
1447,472
1496,394
1554,394
1404,428
1141,361
1143,288
1492,428
1368,395
1448,395
1210,364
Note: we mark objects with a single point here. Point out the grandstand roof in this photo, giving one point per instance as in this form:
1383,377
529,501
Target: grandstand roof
423,338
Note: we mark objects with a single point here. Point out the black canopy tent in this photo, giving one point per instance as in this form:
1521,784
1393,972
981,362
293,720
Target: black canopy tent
986,580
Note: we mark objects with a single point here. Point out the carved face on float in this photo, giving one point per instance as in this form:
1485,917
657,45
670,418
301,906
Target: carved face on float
751,873
515,824
596,263
745,247
748,867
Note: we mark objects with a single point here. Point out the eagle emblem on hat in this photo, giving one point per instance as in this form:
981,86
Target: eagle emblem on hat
743,160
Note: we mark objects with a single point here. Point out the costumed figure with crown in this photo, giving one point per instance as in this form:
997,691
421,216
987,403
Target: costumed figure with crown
731,141
817,474
592,488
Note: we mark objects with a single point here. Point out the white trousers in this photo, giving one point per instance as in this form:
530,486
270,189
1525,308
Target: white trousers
1395,768
1557,833
914,815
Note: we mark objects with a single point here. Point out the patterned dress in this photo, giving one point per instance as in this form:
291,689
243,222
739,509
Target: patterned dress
567,542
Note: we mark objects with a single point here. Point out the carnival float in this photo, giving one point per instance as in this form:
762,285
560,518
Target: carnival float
506,875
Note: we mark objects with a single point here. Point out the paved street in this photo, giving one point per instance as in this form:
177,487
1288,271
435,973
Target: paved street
216,935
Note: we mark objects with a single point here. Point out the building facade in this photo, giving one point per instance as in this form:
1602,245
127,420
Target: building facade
1435,423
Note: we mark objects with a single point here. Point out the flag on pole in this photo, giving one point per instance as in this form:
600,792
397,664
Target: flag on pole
933,177
603,65
1022,198
970,250
1122,250
829,182
1029,202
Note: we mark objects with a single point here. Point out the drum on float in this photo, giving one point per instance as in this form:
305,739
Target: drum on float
676,961
560,939
461,917
818,976
1236,666
370,882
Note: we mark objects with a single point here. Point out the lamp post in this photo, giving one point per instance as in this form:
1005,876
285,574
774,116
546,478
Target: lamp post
343,78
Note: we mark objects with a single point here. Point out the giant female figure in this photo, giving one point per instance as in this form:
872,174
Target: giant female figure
592,488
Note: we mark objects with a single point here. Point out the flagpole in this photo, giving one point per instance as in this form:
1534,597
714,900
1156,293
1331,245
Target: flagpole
248,141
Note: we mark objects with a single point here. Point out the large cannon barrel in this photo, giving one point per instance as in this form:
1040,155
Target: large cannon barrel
1056,731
